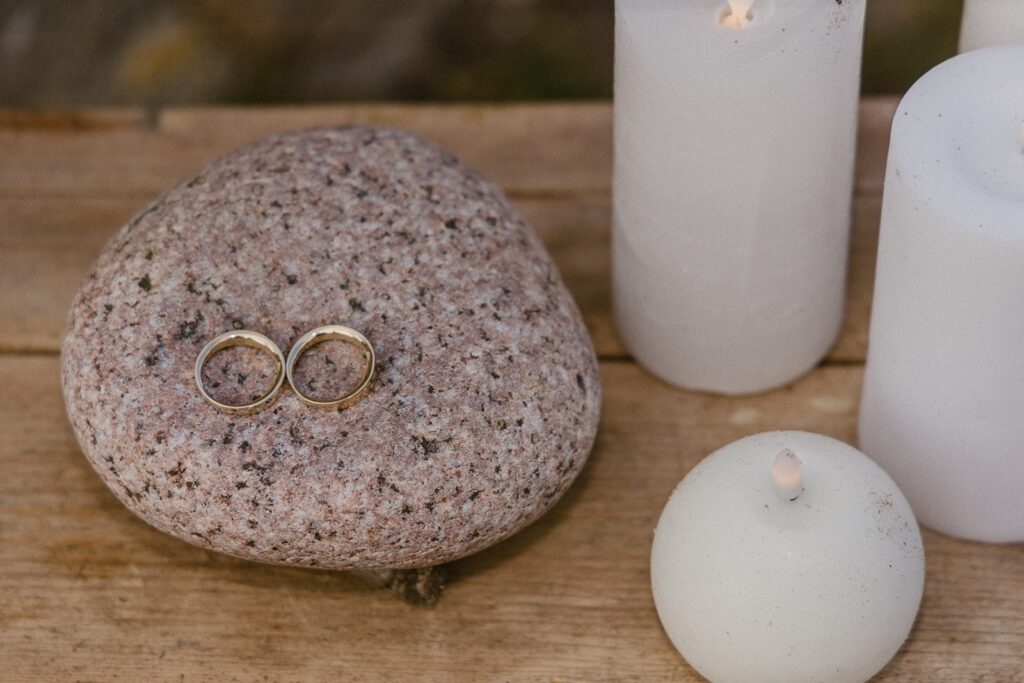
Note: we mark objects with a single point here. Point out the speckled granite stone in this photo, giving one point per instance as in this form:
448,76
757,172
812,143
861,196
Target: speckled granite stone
488,397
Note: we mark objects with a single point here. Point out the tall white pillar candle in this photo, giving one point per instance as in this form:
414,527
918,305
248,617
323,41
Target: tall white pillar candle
987,23
943,403
735,131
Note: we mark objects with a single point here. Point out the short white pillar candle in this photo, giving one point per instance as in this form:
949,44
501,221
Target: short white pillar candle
735,130
987,23
787,556
943,402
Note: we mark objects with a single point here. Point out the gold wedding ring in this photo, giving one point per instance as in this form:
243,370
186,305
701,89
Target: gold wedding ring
342,333
241,338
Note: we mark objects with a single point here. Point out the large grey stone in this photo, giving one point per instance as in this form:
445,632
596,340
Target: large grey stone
488,397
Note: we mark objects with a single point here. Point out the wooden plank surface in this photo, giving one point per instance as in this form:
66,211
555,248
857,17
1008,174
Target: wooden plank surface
48,245
67,182
89,592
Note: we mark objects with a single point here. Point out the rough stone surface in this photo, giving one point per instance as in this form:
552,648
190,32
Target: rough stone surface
488,397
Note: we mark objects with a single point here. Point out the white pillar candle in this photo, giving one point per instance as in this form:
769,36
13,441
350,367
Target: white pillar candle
943,402
734,150
787,556
991,22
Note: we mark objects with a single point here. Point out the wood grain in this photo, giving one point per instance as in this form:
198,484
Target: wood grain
48,245
89,592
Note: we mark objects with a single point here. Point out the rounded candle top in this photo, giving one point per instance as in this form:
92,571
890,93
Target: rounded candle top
783,546
958,140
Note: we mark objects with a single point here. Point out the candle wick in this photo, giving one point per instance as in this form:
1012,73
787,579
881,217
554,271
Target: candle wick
737,15
787,472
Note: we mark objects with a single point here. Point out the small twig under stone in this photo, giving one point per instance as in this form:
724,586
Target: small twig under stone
421,586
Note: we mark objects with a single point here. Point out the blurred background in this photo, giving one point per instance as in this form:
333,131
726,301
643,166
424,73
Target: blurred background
64,53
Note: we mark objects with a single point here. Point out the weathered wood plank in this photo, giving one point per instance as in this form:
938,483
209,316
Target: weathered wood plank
71,179
537,150
852,345
72,120
876,114
89,592
545,150
47,247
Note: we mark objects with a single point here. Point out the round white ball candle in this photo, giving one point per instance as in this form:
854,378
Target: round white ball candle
943,402
987,23
735,131
787,556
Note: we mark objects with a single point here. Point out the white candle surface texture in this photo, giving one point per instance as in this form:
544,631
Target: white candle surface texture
987,23
787,556
943,403
735,131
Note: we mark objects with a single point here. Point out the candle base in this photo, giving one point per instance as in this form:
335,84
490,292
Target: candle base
740,365
974,492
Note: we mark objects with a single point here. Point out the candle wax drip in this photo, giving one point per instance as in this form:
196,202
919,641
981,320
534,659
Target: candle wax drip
787,472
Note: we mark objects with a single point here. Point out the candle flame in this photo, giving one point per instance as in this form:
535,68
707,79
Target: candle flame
738,15
787,471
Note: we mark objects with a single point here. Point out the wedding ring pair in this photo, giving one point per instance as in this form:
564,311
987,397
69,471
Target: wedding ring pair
286,368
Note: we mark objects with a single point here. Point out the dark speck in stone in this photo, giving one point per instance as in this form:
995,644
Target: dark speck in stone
428,446
188,328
